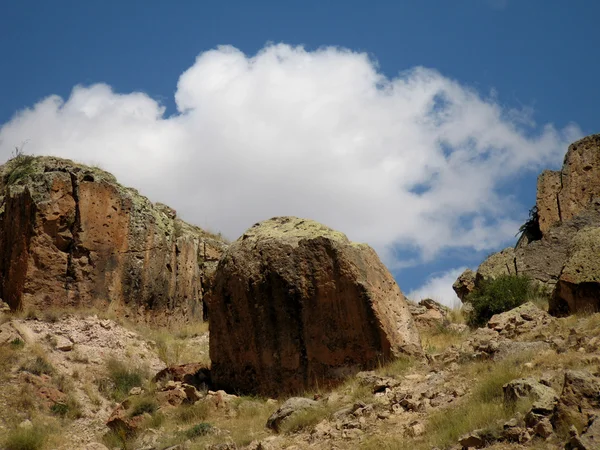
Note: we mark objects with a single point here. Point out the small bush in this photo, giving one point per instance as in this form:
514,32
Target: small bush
17,343
38,366
26,439
202,429
70,408
143,405
496,296
22,166
121,379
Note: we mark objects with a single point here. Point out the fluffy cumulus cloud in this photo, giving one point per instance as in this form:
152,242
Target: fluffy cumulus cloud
439,288
415,161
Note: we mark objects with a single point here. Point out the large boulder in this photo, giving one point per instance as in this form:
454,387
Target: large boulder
70,235
296,304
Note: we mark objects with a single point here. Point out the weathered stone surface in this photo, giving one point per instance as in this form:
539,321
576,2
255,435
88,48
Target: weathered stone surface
290,407
121,421
579,400
472,440
70,235
464,284
580,176
590,439
548,188
194,374
429,314
578,288
501,263
520,320
544,398
297,304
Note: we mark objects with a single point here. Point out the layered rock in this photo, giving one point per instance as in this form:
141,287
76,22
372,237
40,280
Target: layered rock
565,259
70,235
296,304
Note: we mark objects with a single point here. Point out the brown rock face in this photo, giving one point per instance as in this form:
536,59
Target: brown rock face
548,186
565,259
296,304
70,235
563,195
464,284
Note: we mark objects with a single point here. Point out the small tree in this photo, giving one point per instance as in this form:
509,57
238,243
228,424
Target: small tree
531,228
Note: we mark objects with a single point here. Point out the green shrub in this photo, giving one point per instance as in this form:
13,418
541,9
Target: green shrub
17,343
202,429
26,439
496,296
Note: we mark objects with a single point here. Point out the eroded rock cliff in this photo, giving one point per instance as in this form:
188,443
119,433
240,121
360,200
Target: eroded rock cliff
565,259
70,235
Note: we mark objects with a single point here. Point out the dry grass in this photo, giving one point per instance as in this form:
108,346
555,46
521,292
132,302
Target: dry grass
243,422
483,408
436,340
34,438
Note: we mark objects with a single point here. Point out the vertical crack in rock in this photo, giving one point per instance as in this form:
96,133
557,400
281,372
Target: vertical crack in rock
75,227
558,198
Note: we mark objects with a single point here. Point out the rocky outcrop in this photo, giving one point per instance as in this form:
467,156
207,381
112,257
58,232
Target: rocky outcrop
429,314
579,400
574,187
296,304
464,284
70,235
565,259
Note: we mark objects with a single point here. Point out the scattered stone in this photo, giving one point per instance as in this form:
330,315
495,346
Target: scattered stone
26,424
415,429
136,390
194,374
289,407
376,383
543,428
191,393
63,344
429,314
544,398
580,398
472,440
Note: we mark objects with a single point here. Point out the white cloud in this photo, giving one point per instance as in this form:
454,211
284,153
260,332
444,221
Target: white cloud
439,288
415,160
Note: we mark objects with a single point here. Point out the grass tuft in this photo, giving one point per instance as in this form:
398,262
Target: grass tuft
32,438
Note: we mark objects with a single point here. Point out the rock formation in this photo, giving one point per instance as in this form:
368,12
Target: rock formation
566,258
296,305
70,235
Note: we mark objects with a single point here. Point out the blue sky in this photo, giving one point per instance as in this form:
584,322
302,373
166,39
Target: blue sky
530,64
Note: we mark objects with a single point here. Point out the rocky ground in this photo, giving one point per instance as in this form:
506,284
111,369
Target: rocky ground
528,380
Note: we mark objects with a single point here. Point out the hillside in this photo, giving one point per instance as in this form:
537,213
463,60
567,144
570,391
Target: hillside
309,344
